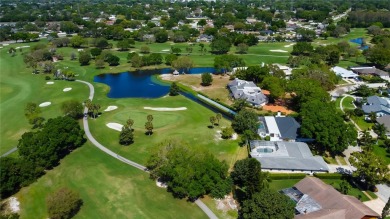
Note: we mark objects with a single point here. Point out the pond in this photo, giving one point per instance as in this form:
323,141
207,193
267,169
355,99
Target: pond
140,84
360,42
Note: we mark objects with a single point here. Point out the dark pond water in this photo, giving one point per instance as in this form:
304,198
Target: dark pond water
140,84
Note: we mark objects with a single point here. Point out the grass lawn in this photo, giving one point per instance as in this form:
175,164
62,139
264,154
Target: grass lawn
337,103
362,123
108,188
380,150
18,87
348,103
341,160
278,185
188,125
212,204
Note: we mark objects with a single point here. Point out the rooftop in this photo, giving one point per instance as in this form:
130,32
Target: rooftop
280,155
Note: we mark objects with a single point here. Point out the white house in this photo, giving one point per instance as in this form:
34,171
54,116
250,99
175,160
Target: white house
344,73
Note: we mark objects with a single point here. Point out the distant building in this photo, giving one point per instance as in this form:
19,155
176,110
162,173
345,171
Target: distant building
371,71
378,105
286,156
287,70
247,90
279,128
316,199
385,120
344,73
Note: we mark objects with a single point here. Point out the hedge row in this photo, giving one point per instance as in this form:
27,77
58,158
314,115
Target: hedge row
328,175
277,176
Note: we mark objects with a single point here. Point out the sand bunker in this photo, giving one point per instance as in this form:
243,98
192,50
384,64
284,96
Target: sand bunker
14,204
278,50
161,184
165,50
165,109
67,89
50,82
289,45
44,104
111,108
115,126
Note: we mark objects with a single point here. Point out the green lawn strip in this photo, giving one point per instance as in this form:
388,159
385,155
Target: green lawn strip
337,103
354,191
212,204
342,160
108,188
373,195
278,185
348,103
362,123
188,125
380,150
330,160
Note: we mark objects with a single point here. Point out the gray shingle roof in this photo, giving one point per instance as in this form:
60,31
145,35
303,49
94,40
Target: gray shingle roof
288,127
238,88
376,104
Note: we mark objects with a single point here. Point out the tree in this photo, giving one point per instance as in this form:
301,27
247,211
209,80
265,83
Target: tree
149,118
239,104
113,60
267,204
169,58
174,89
155,58
130,123
99,63
72,108
84,57
45,147
218,117
63,203
380,129
102,43
31,111
95,110
344,187
220,45
207,78
366,139
226,63
175,50
161,36
242,48
77,41
321,121
205,175
386,209
73,56
245,120
247,175
126,136
183,63
144,49
123,45
149,127
302,48
202,22
96,52
370,168
136,61
212,121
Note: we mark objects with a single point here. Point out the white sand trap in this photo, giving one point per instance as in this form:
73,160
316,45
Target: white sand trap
111,108
24,46
161,184
14,204
165,50
115,126
165,109
50,82
44,104
289,45
5,44
67,89
278,50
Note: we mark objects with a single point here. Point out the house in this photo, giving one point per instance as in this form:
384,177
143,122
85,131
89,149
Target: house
286,156
316,199
344,73
279,128
175,72
287,70
204,38
371,71
378,105
385,120
247,90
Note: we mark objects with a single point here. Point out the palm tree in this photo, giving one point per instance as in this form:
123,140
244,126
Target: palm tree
372,116
380,129
149,118
149,127
218,117
366,139
212,121
130,123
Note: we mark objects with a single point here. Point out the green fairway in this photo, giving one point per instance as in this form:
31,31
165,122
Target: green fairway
18,87
188,125
108,188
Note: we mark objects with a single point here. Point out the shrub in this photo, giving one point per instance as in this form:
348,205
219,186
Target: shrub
207,78
328,175
278,176
47,78
63,203
227,133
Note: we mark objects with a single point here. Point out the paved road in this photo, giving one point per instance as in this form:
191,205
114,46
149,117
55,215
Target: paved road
9,152
198,202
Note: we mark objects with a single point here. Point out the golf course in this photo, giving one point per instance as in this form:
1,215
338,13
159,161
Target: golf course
109,188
